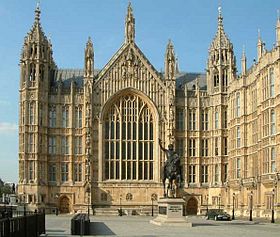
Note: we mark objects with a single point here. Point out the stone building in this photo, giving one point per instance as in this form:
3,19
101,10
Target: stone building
91,137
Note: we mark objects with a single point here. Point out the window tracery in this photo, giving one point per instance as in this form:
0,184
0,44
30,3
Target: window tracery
129,140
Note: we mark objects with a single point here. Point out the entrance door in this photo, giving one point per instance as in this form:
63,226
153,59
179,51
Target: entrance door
64,205
191,208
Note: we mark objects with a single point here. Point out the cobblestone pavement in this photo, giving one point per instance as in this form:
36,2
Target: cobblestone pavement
139,226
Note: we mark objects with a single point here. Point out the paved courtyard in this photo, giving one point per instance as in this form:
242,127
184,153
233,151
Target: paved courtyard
58,226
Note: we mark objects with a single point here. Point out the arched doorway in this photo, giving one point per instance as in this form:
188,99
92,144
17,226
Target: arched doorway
64,205
191,208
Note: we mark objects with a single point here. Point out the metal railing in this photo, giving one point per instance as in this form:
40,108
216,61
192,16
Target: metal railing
32,225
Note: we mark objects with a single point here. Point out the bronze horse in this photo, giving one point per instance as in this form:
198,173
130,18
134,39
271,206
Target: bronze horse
172,172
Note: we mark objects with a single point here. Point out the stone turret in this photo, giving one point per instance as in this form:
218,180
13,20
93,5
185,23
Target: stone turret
221,61
37,70
36,56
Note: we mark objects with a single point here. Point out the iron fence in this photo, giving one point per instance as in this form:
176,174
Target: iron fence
32,225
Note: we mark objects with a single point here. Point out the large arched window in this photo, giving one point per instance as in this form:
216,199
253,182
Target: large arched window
129,136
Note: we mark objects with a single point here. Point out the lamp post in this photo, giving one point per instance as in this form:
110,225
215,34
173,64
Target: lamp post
219,202
207,197
24,207
233,200
56,208
251,206
152,206
272,207
88,196
120,211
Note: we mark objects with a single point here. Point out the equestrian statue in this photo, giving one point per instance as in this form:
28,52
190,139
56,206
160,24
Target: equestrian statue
171,171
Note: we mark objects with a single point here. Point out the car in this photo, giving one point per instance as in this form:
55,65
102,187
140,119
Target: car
223,217
216,215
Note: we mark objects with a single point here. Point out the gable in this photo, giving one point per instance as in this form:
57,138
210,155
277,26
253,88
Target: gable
129,63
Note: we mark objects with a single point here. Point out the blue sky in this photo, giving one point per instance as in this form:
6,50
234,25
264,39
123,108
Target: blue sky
191,24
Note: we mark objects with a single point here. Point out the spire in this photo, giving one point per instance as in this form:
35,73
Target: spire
170,61
37,13
221,66
89,59
36,40
221,40
177,70
278,29
243,62
220,19
260,44
36,33
129,25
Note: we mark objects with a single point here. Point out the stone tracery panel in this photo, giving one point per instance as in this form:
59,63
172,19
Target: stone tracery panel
129,140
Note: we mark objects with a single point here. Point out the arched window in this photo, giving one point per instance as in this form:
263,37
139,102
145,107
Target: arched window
129,140
52,116
271,82
31,112
78,117
238,138
32,73
216,79
216,120
272,122
237,104
273,160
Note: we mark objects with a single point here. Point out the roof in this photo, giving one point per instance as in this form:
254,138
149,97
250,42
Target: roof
68,75
189,79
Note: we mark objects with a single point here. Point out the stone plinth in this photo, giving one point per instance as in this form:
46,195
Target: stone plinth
171,213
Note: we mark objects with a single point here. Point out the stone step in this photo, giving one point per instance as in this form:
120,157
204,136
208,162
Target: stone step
108,211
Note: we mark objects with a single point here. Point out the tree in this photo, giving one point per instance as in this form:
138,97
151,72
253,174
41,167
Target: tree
5,188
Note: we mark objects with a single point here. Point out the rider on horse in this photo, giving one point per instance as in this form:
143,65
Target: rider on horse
172,169
171,155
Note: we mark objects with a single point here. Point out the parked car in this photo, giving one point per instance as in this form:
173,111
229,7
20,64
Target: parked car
223,217
218,215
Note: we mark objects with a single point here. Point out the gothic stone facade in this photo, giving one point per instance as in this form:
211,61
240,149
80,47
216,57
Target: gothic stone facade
91,137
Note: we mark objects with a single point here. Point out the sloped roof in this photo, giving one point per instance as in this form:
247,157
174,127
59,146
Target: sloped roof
189,79
68,75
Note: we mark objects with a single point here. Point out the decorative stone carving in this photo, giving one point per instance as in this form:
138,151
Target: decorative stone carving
129,25
170,61
89,54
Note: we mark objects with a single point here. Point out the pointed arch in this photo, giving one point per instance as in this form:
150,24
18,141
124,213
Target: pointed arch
64,204
129,121
192,206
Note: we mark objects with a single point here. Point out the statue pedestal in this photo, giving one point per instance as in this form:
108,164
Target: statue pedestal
171,213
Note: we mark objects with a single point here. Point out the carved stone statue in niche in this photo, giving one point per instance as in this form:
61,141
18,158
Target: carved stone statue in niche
88,168
123,70
88,143
171,65
89,66
87,110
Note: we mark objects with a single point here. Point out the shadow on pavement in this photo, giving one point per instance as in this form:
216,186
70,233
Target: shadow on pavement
53,230
202,224
99,228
